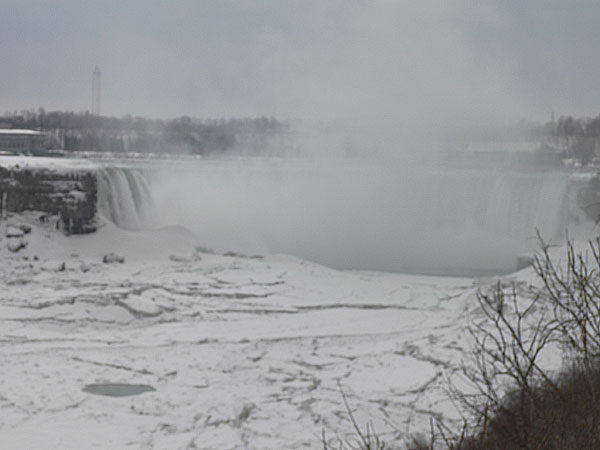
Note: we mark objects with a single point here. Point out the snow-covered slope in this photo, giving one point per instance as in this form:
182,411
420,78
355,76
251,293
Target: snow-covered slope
242,352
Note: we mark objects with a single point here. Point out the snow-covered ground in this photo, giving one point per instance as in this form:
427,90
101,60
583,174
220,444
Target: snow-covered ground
243,352
55,164
233,351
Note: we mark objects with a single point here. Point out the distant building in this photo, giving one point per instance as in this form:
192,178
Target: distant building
22,141
506,154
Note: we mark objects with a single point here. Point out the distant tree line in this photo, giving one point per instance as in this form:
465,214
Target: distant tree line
83,131
567,136
580,137
575,138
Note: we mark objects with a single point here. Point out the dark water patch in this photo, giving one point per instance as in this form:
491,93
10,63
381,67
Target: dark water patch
117,389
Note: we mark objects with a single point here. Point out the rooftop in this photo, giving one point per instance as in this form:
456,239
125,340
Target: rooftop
17,131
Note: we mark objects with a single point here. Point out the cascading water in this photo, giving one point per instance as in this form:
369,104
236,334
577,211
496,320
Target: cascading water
459,222
500,203
125,198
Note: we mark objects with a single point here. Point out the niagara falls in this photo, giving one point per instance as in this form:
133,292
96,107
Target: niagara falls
332,225
344,214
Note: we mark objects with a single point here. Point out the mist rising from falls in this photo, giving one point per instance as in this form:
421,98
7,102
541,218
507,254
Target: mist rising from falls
346,215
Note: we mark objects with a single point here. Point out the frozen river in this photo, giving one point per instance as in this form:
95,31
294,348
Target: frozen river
241,352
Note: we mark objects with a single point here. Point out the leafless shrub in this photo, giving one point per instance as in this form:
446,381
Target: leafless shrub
573,290
366,439
517,402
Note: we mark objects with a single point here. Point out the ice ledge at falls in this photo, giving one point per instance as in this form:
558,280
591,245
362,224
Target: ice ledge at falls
74,191
70,195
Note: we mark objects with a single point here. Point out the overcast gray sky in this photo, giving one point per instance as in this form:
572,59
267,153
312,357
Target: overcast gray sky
397,61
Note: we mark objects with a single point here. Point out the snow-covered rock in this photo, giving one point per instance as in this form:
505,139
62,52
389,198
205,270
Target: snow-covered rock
15,244
25,228
53,266
184,258
111,258
14,232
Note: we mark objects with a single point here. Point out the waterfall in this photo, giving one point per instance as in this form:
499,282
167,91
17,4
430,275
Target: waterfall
125,198
503,204
347,216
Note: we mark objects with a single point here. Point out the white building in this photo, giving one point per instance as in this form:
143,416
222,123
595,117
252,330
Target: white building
22,141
